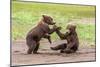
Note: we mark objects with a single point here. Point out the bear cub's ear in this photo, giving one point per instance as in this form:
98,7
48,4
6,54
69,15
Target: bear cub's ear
43,16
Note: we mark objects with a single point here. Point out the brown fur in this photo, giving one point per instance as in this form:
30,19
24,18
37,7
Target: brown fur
72,39
42,30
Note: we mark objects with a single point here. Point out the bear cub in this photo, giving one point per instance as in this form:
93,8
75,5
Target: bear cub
42,30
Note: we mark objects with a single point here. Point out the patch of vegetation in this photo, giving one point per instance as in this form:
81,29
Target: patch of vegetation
25,16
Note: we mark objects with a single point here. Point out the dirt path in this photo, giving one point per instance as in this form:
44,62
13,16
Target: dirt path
19,56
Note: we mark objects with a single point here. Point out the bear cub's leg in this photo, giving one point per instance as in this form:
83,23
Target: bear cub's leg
60,47
36,48
32,46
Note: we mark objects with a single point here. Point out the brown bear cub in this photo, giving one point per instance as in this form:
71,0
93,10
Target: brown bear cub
72,40
42,30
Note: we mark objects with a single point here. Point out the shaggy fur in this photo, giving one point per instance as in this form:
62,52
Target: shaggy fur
72,39
42,30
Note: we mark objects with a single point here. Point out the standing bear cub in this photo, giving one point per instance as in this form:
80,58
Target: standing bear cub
42,30
72,40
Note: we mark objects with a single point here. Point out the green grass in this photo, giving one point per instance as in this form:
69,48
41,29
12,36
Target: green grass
86,33
25,16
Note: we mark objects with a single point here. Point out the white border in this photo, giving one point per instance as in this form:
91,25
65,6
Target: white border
87,2
5,34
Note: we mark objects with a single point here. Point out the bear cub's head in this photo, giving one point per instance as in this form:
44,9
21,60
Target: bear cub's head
48,20
71,28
